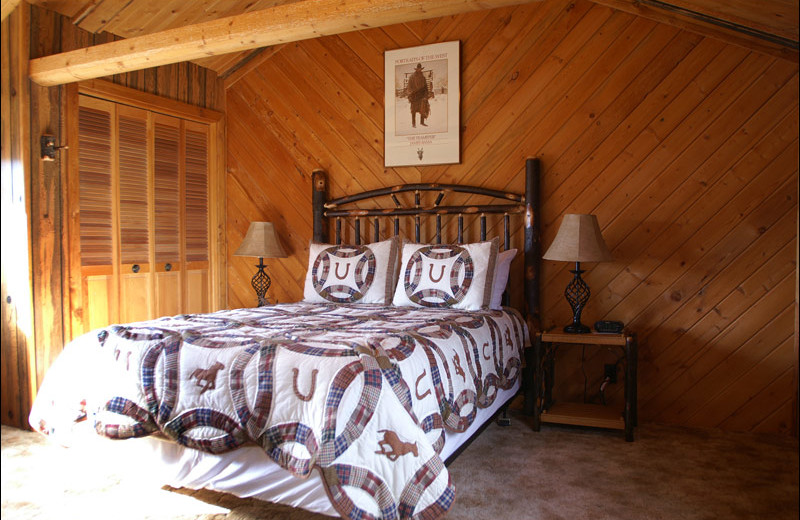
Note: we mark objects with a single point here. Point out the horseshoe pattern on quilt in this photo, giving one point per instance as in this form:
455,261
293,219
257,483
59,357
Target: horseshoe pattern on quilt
346,271
431,353
310,394
435,279
427,392
118,352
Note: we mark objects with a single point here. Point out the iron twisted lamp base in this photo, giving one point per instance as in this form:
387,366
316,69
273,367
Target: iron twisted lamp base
577,294
261,283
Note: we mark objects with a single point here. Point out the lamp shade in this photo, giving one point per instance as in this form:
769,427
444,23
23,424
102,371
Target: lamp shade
261,241
579,240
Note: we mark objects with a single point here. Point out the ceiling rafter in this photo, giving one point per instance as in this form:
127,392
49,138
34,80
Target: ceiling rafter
277,25
6,6
698,16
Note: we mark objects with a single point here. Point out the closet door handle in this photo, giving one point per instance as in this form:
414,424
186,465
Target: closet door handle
168,267
135,268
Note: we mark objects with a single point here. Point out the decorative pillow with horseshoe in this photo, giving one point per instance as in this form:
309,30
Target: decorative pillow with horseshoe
457,276
350,273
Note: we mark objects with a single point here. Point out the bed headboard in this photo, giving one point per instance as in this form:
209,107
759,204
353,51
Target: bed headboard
502,203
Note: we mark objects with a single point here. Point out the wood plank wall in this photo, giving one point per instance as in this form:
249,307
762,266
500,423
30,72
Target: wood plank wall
685,148
16,346
51,33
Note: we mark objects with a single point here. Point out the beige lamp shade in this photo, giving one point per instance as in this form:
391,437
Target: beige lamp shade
261,242
579,240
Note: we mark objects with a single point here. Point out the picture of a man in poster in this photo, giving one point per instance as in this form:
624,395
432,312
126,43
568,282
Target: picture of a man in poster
421,91
417,94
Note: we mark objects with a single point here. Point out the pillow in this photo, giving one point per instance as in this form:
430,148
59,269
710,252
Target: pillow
457,276
502,267
351,274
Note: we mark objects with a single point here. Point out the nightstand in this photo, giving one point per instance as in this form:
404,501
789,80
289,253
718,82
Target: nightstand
541,358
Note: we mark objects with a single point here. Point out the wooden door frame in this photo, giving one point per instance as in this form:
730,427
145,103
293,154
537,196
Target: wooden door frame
73,299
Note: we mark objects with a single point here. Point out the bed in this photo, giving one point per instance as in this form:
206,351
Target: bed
348,403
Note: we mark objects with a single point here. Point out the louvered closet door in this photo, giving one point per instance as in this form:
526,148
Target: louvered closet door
143,181
135,273
97,163
167,203
195,161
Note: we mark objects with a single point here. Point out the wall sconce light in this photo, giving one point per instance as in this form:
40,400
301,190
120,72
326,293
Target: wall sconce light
49,148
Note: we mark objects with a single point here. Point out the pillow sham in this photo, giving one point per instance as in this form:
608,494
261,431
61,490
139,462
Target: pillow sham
457,276
350,273
502,268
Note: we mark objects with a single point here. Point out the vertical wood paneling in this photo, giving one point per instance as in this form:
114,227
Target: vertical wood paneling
50,33
17,361
684,146
46,208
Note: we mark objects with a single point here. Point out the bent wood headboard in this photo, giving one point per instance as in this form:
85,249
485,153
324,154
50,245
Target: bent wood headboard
507,204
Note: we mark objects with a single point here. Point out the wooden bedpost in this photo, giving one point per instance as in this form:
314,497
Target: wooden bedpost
532,242
319,195
532,277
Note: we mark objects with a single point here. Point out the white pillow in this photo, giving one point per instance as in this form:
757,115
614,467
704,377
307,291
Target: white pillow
501,270
457,276
351,274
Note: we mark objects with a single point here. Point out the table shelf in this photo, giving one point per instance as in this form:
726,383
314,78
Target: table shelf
541,359
579,414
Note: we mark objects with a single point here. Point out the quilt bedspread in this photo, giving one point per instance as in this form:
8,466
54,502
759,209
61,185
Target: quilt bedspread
364,393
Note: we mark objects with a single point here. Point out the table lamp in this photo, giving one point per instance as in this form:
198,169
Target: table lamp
261,241
578,240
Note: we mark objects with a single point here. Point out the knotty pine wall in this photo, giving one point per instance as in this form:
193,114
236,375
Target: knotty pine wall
686,148
43,32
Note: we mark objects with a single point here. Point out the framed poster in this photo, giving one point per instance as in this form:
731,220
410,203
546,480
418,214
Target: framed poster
422,95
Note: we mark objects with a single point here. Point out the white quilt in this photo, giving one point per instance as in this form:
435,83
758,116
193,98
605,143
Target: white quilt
367,394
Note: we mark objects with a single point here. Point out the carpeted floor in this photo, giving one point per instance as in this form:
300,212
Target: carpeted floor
558,473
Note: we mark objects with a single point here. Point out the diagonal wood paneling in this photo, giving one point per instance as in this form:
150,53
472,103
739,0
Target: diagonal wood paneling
684,146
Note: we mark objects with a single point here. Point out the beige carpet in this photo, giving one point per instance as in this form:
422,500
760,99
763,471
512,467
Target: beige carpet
559,473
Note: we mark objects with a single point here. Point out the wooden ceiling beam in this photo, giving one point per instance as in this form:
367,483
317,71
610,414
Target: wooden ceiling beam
281,24
6,6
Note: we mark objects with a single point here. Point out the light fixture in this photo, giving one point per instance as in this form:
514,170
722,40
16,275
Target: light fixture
578,240
261,242
49,148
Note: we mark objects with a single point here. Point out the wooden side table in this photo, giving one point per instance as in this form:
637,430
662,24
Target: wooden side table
545,346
